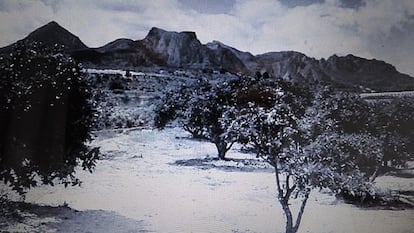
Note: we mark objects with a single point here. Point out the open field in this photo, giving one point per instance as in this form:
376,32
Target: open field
139,179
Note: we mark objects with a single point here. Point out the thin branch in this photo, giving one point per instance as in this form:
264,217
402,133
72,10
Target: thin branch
279,189
289,192
287,181
375,175
301,211
229,146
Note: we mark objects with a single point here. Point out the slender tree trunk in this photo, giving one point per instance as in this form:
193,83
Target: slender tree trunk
289,218
292,226
301,211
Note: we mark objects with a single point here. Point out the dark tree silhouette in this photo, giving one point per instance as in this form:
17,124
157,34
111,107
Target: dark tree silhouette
46,115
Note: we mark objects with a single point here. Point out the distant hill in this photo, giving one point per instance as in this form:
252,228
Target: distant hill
373,74
166,49
52,33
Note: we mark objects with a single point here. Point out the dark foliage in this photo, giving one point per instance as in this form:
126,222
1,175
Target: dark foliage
393,123
46,116
117,84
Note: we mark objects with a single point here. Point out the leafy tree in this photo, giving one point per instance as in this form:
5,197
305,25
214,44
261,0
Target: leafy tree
173,105
302,137
205,110
45,117
352,116
393,122
390,122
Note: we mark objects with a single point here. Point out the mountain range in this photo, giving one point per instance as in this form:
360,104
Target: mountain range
182,50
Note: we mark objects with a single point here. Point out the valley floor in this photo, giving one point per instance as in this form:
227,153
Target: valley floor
163,181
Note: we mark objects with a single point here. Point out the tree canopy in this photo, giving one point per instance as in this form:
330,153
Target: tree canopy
393,123
205,110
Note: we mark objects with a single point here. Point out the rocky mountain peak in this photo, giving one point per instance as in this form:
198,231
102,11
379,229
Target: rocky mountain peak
175,48
215,44
53,33
157,34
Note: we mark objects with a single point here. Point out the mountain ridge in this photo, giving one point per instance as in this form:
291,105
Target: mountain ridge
182,50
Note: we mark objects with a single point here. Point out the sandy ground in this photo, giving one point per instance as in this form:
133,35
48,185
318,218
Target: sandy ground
161,181
37,218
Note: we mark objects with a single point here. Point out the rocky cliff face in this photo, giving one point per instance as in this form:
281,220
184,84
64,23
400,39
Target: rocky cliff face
165,49
176,49
231,57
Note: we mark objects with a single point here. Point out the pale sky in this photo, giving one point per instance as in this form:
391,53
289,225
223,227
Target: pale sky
381,29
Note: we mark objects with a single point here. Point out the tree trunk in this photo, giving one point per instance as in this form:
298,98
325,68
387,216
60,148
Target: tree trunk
221,149
284,197
289,217
291,225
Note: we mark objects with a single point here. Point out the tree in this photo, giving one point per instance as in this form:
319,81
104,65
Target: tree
353,119
301,137
205,110
390,122
393,122
46,115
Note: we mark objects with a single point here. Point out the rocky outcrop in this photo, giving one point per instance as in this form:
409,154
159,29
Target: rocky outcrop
162,48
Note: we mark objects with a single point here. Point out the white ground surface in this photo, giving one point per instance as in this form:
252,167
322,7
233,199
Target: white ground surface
137,179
